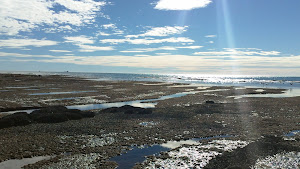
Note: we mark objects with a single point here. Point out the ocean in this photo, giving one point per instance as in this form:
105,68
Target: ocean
216,80
211,80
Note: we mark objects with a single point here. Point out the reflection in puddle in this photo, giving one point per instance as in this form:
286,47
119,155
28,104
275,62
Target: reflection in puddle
19,163
292,133
54,93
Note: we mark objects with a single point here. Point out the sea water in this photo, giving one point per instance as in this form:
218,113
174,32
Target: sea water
214,80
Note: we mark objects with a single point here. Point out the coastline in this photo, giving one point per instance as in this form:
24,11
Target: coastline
109,134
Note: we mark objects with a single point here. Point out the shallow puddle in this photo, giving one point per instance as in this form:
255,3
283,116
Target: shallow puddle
292,133
148,103
288,93
135,155
19,163
137,103
16,111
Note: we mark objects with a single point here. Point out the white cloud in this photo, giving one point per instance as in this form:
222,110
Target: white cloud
190,47
147,41
239,52
19,43
64,28
24,15
114,28
79,39
132,51
211,36
88,48
18,55
161,31
109,26
102,34
82,41
181,4
60,51
136,50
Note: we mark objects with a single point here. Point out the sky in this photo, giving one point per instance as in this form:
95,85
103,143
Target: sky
231,37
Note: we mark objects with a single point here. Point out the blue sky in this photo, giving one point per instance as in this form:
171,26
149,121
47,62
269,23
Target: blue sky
247,37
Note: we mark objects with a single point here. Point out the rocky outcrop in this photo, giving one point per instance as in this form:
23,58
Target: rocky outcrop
55,114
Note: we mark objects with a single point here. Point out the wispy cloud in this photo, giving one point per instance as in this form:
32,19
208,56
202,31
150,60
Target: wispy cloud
181,4
161,31
88,48
189,47
102,34
60,51
136,50
211,36
19,55
147,41
19,43
114,28
163,53
82,41
79,39
20,15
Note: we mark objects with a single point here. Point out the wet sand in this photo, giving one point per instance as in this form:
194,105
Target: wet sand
210,111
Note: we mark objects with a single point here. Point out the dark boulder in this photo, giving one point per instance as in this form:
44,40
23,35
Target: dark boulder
127,109
54,114
58,114
209,102
16,119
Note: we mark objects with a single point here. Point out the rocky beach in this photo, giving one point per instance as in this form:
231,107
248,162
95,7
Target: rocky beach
54,121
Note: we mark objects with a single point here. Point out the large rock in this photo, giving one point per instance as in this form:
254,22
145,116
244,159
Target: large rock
58,114
127,109
45,115
16,119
